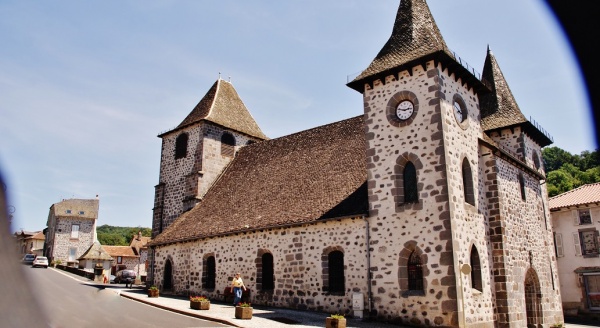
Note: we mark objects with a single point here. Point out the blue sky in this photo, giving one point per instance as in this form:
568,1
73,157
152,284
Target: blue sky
86,87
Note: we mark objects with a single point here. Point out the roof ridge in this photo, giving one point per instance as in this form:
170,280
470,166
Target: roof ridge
574,190
214,98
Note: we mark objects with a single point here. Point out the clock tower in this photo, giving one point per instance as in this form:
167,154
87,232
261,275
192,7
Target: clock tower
421,111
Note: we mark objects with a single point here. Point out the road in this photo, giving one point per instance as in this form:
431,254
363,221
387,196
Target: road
68,302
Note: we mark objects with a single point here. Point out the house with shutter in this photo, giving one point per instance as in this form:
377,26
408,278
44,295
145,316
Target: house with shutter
426,209
576,222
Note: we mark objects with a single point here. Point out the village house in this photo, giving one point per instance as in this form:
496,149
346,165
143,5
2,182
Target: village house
428,209
133,257
576,222
29,242
71,229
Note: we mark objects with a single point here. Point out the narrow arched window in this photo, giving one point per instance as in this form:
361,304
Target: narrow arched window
409,177
210,275
476,281
522,186
415,272
268,280
536,160
227,144
336,272
181,145
467,176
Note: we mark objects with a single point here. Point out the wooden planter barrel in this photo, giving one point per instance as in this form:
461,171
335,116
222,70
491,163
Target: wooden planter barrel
152,293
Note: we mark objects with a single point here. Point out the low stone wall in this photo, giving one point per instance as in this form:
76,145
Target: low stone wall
77,271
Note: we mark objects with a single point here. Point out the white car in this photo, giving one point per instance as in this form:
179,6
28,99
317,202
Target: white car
40,261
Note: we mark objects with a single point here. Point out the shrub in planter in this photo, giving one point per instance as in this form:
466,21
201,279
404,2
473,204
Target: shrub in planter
335,321
199,303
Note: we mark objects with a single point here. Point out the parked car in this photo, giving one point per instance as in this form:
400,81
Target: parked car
40,261
28,259
125,277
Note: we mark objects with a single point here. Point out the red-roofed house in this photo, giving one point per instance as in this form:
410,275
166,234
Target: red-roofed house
123,258
576,222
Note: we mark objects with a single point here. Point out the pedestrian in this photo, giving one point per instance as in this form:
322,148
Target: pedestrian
237,284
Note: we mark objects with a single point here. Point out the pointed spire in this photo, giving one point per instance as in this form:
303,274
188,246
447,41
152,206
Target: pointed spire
414,36
499,108
222,105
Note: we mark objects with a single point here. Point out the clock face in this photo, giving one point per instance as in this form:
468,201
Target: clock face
460,113
405,110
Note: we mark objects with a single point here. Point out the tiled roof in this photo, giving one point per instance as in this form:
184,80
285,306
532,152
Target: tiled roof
139,242
415,35
586,194
39,236
95,252
499,108
115,251
222,105
311,175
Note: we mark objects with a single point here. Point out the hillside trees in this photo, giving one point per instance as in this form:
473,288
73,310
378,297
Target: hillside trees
565,171
119,236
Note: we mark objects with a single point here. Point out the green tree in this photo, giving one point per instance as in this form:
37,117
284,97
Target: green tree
554,158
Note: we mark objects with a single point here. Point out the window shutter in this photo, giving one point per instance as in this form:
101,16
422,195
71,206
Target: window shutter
577,243
560,250
575,217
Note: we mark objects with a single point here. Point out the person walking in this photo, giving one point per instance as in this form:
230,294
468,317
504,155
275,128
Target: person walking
237,284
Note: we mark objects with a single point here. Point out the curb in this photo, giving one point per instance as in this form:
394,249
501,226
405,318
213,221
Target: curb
198,316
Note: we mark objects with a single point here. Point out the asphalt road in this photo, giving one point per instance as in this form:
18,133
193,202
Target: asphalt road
69,302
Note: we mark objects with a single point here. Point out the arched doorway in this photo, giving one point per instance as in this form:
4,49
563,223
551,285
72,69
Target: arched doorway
533,298
168,276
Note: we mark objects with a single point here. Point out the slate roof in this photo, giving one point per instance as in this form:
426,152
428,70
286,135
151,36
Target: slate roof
222,105
304,177
415,39
586,194
89,207
95,252
125,251
499,109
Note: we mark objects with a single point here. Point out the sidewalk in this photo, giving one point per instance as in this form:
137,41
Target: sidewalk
262,317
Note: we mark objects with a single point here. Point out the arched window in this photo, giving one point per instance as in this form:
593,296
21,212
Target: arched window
227,144
536,160
415,272
268,280
476,281
467,176
336,272
210,273
181,145
410,183
522,186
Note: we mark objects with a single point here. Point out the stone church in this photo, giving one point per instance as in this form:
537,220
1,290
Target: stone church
430,209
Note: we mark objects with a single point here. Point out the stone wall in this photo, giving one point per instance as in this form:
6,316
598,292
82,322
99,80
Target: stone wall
297,258
63,241
184,181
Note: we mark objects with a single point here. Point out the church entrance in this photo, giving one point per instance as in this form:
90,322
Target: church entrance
168,276
533,297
